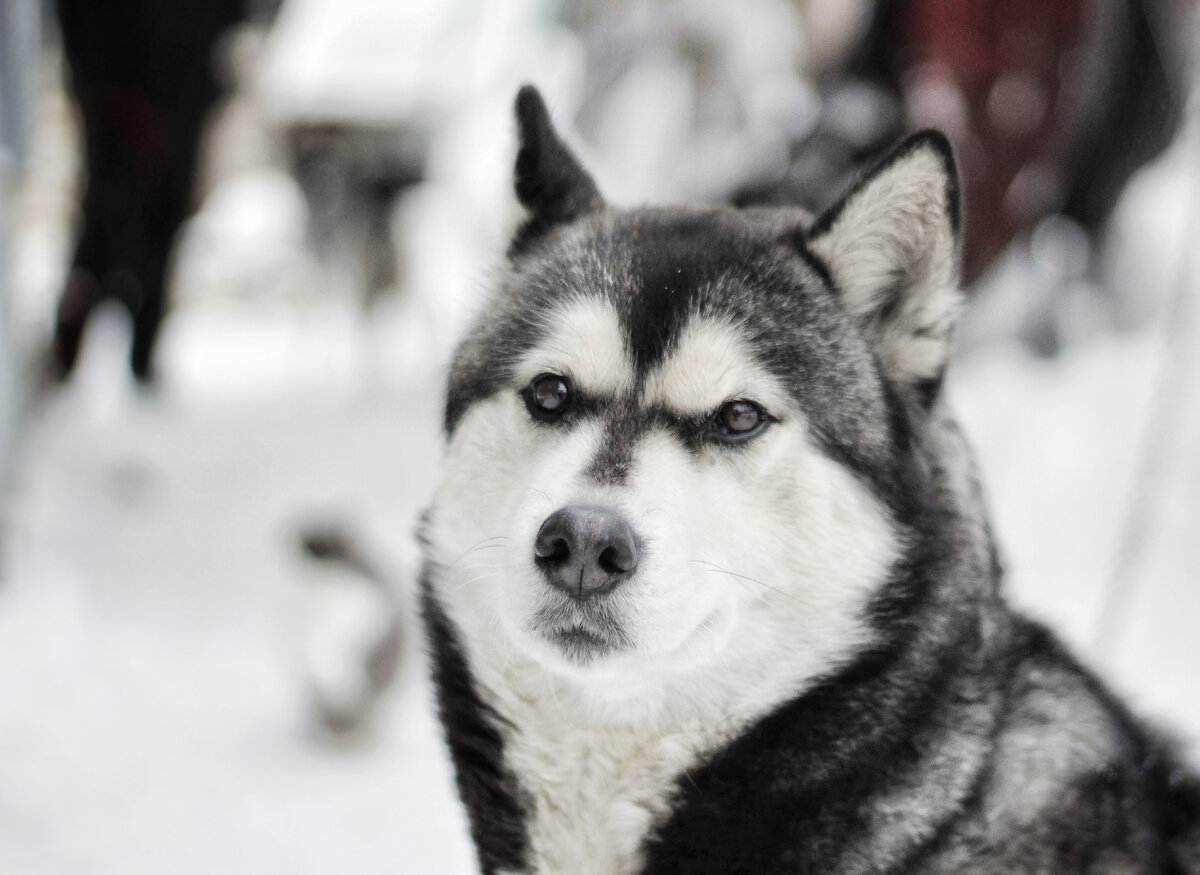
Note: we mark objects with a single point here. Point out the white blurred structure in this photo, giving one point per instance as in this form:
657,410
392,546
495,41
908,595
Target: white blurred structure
20,29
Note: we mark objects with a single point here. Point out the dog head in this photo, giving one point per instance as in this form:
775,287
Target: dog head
677,437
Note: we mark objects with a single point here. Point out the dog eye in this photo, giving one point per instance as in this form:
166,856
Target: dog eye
738,420
547,396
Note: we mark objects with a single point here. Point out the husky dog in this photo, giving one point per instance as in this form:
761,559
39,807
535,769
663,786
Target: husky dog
709,584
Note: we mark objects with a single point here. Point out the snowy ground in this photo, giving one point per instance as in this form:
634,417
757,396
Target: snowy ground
152,716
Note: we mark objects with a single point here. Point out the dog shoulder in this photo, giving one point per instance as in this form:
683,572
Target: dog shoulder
1076,783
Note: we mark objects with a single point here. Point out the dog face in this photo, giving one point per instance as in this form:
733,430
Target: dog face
673,433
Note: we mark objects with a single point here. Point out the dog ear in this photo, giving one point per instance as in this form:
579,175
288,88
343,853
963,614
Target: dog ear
550,183
891,246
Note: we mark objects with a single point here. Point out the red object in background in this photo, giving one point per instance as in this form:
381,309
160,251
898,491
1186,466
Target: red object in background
1003,80
1051,105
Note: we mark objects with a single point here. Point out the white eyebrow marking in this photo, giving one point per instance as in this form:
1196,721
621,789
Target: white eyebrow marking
585,341
709,365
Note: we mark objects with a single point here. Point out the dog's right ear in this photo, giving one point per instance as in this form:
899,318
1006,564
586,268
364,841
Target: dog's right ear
891,247
550,183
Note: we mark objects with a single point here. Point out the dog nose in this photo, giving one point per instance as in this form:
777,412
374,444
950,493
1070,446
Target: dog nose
585,551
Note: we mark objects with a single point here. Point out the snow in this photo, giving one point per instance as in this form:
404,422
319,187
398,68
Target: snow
153,716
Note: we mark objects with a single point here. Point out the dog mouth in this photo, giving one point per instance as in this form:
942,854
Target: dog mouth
582,633
580,645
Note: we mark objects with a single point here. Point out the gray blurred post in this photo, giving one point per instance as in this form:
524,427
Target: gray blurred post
20,26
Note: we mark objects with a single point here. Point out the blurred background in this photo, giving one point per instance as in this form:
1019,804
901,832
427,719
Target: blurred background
238,239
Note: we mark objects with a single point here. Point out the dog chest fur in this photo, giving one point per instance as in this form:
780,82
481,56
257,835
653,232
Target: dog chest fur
594,792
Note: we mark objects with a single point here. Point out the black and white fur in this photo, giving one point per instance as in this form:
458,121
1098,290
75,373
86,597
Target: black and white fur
810,668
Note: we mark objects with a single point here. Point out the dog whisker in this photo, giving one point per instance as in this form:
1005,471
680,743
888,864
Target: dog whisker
754,593
742,577
485,573
485,544
550,685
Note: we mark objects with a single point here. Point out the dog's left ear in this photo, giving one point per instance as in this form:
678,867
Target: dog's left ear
891,247
550,183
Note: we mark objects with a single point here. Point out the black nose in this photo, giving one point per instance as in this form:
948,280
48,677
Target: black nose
585,551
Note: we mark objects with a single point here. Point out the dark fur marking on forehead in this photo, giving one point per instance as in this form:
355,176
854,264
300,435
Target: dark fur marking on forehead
613,461
627,425
676,258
